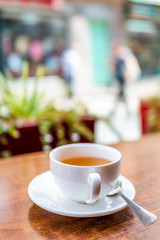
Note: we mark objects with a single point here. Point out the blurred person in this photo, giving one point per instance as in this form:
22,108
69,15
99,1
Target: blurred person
7,45
133,71
120,70
36,51
70,63
22,45
6,50
126,70
48,45
52,63
36,55
14,64
126,67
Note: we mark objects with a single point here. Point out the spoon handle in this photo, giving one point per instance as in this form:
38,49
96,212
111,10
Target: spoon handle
145,216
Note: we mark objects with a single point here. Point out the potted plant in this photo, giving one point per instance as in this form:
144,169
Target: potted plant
38,122
150,114
26,108
68,126
6,129
71,126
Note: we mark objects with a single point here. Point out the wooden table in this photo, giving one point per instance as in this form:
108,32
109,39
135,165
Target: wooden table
21,219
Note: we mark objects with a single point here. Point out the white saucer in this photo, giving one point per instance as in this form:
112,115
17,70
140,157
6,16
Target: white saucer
44,193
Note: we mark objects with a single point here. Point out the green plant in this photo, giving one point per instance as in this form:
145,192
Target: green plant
68,125
23,103
6,128
154,114
65,123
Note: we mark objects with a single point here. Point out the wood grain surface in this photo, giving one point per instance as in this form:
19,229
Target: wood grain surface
21,219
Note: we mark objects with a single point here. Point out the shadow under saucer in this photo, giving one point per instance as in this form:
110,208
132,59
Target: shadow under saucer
53,226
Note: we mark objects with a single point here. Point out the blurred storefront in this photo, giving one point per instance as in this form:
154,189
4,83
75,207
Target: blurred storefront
143,28
34,31
39,31
95,26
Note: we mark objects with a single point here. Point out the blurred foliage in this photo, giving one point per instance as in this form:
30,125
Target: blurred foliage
27,104
154,114
65,123
23,104
6,127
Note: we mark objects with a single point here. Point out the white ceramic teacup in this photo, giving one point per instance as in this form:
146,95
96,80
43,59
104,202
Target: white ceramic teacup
85,184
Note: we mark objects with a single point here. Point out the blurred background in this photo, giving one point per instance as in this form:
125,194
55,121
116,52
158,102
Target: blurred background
76,43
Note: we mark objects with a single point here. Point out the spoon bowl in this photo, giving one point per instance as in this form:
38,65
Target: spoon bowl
145,216
116,189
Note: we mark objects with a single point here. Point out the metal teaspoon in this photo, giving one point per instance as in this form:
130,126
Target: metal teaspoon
145,216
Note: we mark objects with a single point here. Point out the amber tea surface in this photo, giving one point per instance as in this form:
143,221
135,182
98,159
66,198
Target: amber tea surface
86,161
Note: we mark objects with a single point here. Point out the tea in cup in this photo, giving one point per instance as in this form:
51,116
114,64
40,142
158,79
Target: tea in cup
85,172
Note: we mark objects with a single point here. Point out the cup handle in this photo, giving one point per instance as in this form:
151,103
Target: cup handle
94,180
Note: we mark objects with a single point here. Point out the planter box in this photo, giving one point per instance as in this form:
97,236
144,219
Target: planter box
2,149
28,140
150,115
89,123
144,113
